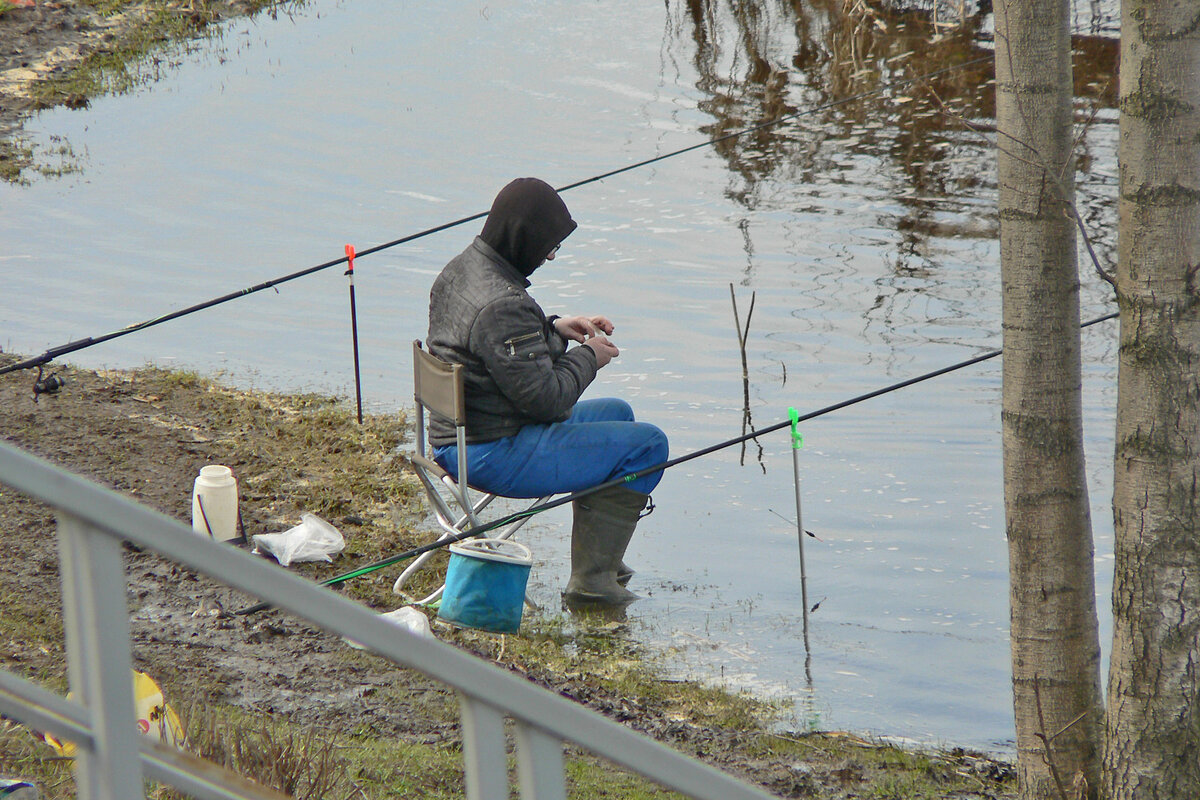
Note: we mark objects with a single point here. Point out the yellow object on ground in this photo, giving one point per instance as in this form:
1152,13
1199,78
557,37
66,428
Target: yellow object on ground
155,718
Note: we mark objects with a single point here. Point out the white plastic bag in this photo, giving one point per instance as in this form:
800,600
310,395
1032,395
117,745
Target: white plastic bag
406,617
411,620
313,539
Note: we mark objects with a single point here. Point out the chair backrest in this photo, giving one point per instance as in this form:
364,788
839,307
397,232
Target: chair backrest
438,385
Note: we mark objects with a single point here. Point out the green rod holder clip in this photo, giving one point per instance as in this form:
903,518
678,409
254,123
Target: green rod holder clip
797,436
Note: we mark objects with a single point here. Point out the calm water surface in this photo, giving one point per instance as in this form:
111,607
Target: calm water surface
863,233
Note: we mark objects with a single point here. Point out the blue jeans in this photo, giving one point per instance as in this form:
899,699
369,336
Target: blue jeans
598,442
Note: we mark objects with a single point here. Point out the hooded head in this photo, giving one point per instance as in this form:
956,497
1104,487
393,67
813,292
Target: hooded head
528,219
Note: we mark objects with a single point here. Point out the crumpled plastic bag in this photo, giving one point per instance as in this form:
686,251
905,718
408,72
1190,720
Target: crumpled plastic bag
411,620
406,617
313,539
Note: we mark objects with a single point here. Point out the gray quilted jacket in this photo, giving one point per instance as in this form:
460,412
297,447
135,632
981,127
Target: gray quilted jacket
518,369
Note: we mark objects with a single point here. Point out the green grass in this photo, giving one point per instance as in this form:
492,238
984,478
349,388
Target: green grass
589,778
399,769
310,764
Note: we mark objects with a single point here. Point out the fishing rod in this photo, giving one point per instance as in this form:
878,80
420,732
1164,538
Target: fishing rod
792,420
79,344
90,341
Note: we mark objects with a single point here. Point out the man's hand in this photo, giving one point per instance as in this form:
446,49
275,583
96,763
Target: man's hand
605,350
579,329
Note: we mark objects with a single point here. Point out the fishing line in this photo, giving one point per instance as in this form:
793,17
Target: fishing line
80,344
538,509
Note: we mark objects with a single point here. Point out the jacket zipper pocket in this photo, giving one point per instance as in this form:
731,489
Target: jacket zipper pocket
515,342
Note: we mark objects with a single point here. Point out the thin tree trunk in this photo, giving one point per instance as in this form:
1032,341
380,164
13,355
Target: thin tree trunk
1152,746
1054,637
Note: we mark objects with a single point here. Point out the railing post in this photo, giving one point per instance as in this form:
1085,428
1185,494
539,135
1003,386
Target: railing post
485,759
99,668
540,765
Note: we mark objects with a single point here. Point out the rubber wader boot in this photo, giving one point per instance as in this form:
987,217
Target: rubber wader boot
603,526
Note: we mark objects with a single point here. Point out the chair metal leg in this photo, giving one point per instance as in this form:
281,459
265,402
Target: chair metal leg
505,533
451,529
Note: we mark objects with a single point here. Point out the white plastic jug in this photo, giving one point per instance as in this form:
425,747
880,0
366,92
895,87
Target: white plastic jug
215,501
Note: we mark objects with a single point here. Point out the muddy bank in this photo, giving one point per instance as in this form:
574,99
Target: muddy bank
146,433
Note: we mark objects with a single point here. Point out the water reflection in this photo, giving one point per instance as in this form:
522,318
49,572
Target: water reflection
885,135
913,86
743,331
828,88
759,62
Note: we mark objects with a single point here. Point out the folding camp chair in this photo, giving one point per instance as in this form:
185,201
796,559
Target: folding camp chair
438,389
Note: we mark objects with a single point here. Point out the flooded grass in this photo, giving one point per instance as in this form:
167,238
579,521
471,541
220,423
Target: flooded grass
78,50
149,38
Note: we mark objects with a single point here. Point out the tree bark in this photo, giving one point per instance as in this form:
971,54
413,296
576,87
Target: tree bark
1152,743
1054,636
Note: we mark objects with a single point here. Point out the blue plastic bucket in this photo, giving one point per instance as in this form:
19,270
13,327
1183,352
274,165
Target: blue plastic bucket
485,584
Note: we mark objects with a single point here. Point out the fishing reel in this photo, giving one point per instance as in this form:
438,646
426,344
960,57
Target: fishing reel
51,384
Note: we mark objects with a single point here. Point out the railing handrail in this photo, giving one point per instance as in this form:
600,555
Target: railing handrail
486,689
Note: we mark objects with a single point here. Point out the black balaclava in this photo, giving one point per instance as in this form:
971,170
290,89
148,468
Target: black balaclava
528,219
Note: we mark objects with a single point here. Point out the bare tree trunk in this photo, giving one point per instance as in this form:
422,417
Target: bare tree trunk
1152,746
1055,642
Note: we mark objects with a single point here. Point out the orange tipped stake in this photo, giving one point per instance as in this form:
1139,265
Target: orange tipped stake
354,330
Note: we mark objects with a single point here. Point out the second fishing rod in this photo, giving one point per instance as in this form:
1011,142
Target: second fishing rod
792,420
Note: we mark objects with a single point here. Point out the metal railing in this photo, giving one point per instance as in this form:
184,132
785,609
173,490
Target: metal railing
113,758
